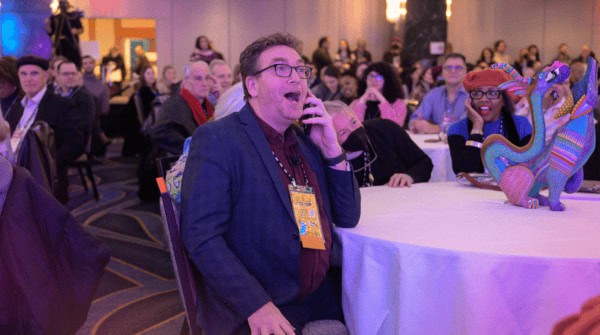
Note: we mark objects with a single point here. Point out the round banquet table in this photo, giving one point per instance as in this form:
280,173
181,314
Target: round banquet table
444,258
439,152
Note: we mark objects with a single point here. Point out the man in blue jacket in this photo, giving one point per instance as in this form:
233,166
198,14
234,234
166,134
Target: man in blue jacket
259,200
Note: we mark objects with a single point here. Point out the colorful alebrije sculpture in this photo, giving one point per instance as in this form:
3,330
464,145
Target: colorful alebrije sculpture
522,172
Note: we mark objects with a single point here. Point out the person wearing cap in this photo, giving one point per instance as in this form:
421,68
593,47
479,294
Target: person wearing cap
490,110
40,104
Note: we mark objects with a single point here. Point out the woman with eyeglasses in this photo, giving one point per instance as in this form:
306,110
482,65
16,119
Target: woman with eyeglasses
490,110
381,95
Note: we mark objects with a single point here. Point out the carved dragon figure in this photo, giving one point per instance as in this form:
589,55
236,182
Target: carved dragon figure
557,164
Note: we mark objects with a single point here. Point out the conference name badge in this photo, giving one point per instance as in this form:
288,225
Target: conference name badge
306,213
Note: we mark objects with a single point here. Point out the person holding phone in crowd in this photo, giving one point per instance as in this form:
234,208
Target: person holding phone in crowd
265,269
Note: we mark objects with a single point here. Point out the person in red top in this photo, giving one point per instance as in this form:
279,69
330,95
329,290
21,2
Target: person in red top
182,113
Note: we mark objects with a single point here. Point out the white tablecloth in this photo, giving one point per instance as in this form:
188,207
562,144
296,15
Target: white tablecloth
442,258
439,152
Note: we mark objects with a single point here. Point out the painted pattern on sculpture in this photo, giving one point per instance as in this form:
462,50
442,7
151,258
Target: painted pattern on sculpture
522,172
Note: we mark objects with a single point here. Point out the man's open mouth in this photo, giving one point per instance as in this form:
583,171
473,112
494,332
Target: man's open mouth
292,96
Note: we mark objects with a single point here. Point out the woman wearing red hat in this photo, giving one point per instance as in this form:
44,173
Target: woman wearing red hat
489,111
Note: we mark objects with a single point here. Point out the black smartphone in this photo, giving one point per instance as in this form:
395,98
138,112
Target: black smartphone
306,127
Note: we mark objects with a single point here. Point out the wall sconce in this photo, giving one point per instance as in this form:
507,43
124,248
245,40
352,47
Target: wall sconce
448,9
395,10
54,7
392,10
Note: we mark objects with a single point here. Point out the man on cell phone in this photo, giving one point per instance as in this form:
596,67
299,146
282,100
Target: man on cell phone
259,200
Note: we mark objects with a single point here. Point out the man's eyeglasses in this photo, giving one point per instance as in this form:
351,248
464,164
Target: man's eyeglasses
284,70
492,95
451,68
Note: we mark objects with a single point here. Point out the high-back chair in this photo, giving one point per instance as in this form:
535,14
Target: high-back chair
184,270
84,162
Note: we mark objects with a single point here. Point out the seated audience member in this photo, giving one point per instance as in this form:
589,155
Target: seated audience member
563,54
520,63
533,55
113,68
147,90
489,111
141,62
586,53
348,87
140,113
344,55
168,84
424,84
500,54
260,272
381,95
329,87
10,90
101,101
361,54
487,56
321,57
411,79
380,151
40,104
71,88
445,104
53,71
50,267
222,77
182,113
204,51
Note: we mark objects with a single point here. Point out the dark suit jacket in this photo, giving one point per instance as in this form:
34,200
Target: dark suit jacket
237,220
174,123
63,117
84,102
50,267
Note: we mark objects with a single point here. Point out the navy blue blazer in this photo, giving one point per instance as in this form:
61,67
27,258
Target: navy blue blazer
237,220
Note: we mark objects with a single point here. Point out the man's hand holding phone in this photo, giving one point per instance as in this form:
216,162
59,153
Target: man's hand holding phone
321,130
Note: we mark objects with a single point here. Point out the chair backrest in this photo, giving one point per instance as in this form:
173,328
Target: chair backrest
36,154
139,108
184,269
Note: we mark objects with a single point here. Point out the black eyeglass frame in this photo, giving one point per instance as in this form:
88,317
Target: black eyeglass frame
492,94
288,69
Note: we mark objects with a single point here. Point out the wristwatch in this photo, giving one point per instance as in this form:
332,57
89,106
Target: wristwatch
335,160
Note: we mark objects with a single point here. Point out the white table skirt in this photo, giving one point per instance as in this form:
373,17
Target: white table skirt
439,152
442,258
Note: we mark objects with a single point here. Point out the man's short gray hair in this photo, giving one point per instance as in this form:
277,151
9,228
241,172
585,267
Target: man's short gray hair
188,68
336,107
217,62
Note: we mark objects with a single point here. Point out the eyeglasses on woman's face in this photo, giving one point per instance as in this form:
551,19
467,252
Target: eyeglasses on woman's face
491,94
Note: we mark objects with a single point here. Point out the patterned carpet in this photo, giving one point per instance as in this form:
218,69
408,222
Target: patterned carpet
138,293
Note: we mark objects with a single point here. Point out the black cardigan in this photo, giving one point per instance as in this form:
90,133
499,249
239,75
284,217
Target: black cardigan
396,153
